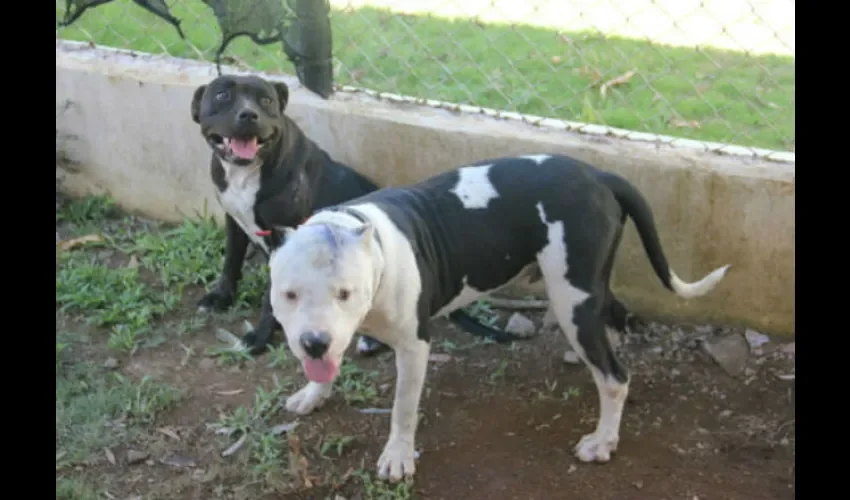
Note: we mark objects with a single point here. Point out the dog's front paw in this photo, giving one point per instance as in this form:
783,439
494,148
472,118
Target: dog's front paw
309,398
217,300
596,447
367,346
255,342
397,460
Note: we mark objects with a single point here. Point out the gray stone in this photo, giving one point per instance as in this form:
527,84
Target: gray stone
730,352
520,325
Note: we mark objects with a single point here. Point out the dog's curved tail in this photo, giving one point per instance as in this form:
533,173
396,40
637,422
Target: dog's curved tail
636,207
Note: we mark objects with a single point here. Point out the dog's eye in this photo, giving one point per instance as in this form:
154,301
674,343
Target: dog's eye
266,101
290,295
343,294
221,96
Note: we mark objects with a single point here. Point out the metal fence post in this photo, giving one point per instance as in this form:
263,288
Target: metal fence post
308,44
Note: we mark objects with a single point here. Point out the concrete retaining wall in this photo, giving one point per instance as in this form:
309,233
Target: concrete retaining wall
133,137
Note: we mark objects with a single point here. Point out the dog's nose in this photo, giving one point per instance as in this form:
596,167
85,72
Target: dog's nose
247,115
315,344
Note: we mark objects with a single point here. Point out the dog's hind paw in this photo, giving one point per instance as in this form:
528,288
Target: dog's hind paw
216,301
397,461
596,447
310,397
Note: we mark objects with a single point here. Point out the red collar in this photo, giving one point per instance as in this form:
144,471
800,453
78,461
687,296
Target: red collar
268,232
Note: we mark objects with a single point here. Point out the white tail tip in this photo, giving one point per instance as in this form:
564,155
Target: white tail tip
699,288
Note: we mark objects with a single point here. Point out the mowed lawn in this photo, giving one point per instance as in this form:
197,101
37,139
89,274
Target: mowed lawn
703,94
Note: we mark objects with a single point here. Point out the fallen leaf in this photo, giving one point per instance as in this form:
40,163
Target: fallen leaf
109,456
684,123
281,428
178,461
235,446
75,242
231,392
439,357
169,432
228,338
60,454
373,411
620,80
594,75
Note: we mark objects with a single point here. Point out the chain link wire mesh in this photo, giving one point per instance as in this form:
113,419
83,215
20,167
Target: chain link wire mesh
708,70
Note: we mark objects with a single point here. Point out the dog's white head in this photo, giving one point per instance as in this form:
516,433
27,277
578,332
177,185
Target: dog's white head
323,279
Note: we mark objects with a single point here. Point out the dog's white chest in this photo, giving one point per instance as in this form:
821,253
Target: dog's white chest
239,197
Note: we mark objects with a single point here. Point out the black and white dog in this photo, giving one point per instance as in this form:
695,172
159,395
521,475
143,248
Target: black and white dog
388,262
269,174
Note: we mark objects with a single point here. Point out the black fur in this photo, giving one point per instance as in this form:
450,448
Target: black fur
296,178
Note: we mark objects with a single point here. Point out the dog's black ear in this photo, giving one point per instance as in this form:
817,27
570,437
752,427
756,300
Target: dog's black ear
196,103
282,94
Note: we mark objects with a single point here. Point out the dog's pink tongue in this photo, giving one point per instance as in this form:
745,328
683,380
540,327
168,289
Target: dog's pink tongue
320,370
244,148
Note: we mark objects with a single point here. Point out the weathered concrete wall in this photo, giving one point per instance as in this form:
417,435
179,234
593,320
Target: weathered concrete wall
135,139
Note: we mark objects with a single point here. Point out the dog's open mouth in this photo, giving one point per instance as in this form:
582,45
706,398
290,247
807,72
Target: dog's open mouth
238,147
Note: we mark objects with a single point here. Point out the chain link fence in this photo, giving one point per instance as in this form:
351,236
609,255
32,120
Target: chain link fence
708,70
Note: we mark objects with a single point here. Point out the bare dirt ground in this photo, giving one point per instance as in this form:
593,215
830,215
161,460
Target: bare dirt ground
498,421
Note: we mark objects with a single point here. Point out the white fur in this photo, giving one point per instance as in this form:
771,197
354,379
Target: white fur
238,199
538,159
385,308
467,296
699,288
564,298
474,187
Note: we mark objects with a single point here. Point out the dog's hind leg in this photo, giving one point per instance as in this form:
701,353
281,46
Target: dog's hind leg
579,317
577,299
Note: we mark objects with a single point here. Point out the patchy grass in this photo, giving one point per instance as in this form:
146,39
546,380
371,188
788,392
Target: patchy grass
152,415
97,409
702,93
265,453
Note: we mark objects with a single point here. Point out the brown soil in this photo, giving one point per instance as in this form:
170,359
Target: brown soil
496,424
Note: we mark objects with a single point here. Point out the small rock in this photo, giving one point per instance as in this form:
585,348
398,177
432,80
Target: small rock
136,457
730,352
755,339
206,364
789,348
638,484
675,373
571,357
571,469
384,388
339,497
520,325
110,363
725,414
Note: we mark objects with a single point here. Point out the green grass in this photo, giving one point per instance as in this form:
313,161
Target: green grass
96,409
123,291
704,94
